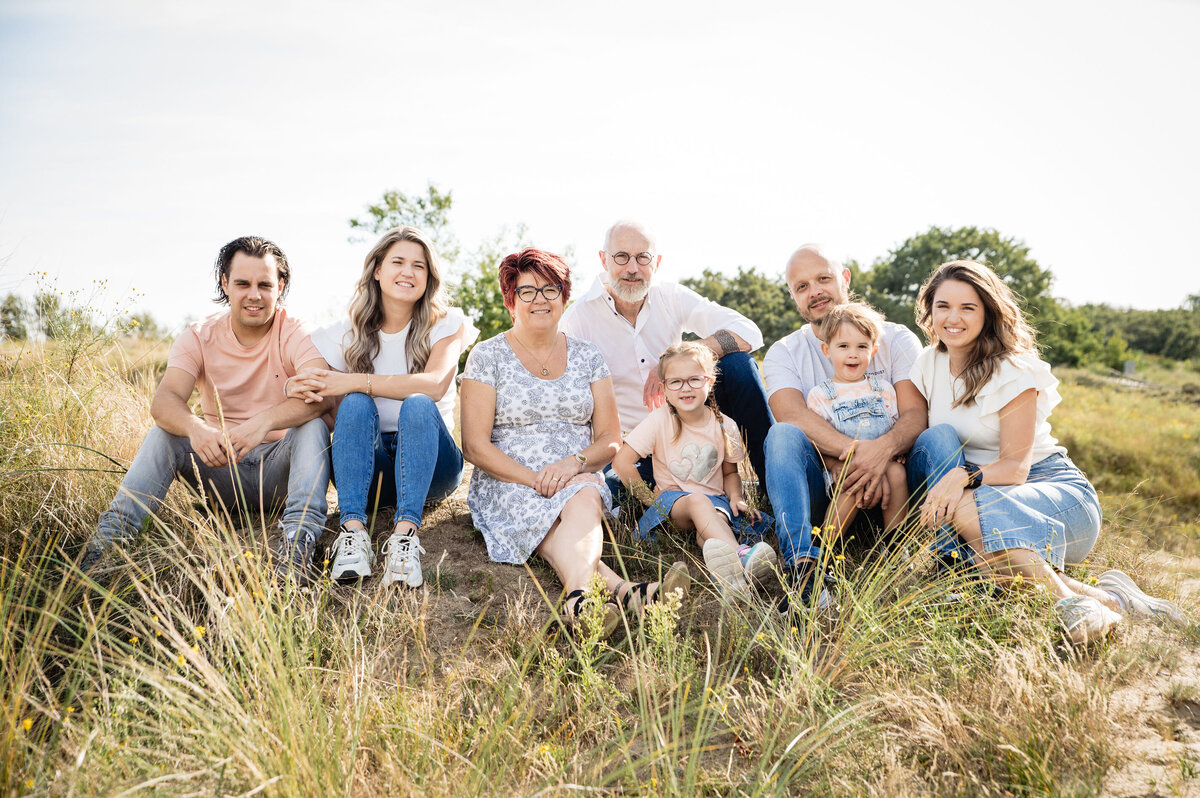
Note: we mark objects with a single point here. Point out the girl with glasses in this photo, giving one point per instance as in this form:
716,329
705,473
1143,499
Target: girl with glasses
696,450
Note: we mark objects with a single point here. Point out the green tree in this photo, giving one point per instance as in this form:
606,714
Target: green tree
761,298
430,212
478,291
13,317
892,282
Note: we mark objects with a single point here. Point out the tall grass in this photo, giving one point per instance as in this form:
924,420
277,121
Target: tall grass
187,669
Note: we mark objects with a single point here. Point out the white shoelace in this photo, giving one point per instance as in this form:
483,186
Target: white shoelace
351,543
400,551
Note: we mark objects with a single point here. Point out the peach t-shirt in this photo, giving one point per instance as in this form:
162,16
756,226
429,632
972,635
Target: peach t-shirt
246,379
692,463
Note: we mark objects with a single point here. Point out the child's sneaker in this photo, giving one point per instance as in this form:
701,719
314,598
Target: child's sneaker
758,561
351,556
725,565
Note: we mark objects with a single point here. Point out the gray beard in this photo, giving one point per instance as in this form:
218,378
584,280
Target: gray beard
630,294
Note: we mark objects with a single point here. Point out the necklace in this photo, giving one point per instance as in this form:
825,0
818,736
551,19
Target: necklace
542,363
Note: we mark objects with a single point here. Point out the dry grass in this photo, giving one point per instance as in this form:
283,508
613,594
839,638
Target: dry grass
190,671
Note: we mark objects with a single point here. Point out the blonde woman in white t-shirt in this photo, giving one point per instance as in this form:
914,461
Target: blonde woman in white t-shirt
393,365
999,479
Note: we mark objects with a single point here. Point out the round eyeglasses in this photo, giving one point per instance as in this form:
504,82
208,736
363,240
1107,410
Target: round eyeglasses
695,382
643,258
526,293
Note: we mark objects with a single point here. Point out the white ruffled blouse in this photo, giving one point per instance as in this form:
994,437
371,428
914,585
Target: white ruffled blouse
978,424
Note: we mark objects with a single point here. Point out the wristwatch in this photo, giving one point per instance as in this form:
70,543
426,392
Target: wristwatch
582,459
974,475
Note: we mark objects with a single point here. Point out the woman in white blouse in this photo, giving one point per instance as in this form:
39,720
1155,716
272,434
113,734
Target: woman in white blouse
998,478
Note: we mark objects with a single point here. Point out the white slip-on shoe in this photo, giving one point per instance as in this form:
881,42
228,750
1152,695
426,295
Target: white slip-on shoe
403,561
1138,605
351,555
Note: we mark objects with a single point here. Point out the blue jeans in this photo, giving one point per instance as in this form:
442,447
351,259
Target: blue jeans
936,452
293,470
429,464
740,394
745,530
796,486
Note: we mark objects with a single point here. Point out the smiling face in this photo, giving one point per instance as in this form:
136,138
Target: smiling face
403,272
686,398
629,282
850,350
815,284
958,315
539,316
253,287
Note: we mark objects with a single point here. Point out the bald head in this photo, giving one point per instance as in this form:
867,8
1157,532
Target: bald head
816,282
624,227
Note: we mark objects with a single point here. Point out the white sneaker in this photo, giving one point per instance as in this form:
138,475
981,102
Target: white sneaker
725,565
1138,605
403,553
1085,619
759,562
351,555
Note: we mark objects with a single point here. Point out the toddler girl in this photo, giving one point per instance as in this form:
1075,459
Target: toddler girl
859,405
695,451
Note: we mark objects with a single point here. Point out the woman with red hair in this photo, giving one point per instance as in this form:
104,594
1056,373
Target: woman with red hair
539,421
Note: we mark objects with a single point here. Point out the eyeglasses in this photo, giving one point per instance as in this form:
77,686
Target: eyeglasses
696,382
643,258
526,293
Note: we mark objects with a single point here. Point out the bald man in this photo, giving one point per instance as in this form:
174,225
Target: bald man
794,365
632,319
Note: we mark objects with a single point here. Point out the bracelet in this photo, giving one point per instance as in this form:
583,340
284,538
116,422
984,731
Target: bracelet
286,383
726,341
974,475
369,392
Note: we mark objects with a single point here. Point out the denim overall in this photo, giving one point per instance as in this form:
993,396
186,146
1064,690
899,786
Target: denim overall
862,418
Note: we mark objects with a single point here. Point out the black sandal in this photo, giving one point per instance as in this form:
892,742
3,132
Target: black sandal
572,614
638,595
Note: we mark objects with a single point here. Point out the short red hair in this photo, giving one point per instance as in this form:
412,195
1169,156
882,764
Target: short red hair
547,265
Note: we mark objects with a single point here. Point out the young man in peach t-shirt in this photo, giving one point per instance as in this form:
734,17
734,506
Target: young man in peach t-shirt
252,441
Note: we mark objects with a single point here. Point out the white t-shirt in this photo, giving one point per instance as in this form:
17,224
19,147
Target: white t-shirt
333,339
796,360
978,424
632,350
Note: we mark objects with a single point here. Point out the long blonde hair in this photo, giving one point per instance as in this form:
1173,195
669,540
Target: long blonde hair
1005,331
708,362
366,307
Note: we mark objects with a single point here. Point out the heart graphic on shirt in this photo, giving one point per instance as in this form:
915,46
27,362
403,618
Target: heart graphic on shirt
695,463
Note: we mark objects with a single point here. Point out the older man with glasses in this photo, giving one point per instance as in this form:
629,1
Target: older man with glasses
633,319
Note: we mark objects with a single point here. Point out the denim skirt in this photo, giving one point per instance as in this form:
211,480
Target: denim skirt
744,529
1055,513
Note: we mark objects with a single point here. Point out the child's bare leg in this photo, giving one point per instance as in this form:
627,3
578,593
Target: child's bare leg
695,511
841,512
897,509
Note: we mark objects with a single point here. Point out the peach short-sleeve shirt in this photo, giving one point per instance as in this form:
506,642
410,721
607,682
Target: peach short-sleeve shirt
241,381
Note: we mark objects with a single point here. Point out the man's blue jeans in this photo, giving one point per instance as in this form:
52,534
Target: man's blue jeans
936,452
796,486
293,470
422,456
740,394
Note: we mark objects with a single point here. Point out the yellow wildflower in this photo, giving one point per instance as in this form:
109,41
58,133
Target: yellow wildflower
27,724
199,631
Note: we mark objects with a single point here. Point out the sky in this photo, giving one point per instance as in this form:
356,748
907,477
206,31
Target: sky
138,137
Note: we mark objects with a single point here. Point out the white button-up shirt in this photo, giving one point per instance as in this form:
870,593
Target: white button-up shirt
632,350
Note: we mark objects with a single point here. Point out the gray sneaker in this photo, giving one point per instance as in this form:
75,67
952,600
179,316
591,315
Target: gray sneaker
403,561
351,555
293,560
759,562
725,565
1139,606
93,553
1085,619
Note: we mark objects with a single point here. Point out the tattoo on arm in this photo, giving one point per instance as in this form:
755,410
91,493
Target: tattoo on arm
726,341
